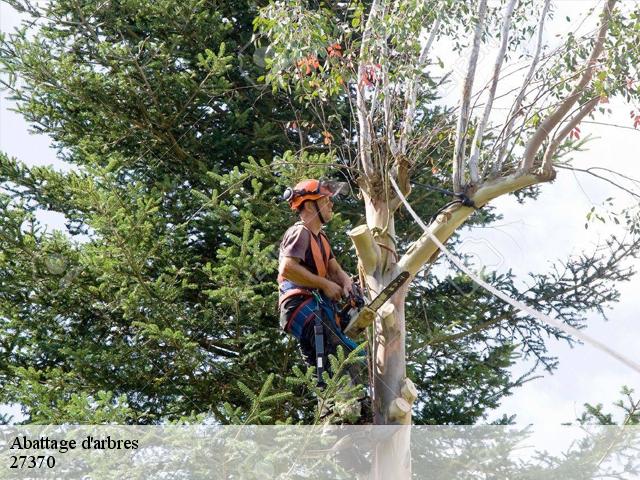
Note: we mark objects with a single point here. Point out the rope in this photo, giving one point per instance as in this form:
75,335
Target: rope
395,254
519,305
462,196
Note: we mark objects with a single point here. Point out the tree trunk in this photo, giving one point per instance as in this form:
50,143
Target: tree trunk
392,393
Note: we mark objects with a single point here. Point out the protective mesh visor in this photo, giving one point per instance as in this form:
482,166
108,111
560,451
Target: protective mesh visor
335,188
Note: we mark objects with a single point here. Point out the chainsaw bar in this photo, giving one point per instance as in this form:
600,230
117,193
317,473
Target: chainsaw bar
388,291
365,317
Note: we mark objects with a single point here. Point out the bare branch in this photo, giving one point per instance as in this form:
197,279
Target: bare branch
590,172
519,99
366,135
412,91
477,140
386,101
549,123
463,118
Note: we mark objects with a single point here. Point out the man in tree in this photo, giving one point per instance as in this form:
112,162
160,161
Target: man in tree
310,278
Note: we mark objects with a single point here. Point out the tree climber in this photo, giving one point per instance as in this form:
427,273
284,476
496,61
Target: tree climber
310,278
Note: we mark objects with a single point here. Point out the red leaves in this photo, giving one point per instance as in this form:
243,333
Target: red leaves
636,118
334,50
328,138
630,83
575,134
371,75
309,64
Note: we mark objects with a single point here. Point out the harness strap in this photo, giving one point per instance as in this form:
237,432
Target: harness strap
318,332
291,293
320,255
320,258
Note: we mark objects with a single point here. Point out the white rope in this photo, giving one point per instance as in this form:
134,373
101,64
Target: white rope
519,305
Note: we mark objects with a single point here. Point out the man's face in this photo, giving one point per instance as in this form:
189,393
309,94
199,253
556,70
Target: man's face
325,204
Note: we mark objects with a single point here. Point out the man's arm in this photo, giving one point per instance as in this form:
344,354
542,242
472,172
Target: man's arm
291,269
339,276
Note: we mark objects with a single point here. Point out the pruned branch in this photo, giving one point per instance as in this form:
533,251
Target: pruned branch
463,118
552,121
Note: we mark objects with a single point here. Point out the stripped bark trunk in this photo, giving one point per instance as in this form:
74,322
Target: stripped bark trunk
393,393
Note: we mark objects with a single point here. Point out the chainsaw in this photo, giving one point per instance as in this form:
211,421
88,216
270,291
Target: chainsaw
356,315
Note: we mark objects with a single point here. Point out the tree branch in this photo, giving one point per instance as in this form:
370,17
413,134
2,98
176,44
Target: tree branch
585,109
366,135
590,172
463,118
424,249
549,123
477,140
389,118
412,91
520,98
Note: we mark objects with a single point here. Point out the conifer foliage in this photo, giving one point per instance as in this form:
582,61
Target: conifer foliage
158,302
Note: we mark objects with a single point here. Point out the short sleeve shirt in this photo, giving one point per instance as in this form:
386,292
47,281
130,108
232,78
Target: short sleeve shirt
295,243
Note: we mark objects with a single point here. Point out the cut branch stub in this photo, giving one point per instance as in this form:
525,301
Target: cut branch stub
399,411
367,250
409,391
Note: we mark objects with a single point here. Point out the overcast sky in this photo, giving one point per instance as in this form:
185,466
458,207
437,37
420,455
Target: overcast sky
528,239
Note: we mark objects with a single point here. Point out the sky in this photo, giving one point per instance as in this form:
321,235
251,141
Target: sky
528,239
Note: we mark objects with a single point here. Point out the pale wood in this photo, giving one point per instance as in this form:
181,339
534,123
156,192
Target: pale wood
476,145
409,391
367,249
497,166
399,410
380,363
366,133
412,89
423,249
387,312
585,109
465,100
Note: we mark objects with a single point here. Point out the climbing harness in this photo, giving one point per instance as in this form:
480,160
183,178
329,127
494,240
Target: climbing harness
315,307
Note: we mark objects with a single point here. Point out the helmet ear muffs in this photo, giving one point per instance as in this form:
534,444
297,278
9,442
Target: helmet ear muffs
287,195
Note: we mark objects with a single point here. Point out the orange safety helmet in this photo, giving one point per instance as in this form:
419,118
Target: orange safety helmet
311,189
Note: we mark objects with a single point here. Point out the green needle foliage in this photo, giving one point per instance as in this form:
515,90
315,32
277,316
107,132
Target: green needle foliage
159,301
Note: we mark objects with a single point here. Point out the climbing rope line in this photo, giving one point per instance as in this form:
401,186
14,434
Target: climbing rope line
519,305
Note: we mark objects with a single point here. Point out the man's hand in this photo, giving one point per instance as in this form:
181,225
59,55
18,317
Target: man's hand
347,286
332,290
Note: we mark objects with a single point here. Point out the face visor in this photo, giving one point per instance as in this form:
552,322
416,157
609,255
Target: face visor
313,190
